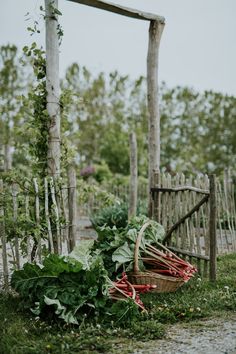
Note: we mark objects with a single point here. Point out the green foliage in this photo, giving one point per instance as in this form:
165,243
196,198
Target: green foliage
116,245
105,110
36,103
13,82
88,191
197,299
201,121
115,215
26,335
102,172
70,286
110,107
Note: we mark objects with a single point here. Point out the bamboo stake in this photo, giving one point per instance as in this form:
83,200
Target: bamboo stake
133,185
50,239
3,238
65,215
72,207
27,214
15,215
56,239
37,217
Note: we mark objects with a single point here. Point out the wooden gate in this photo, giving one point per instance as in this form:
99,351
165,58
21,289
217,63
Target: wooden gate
188,213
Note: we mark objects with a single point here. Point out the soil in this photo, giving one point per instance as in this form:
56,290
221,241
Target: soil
212,336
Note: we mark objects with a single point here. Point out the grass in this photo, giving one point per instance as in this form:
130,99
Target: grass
21,333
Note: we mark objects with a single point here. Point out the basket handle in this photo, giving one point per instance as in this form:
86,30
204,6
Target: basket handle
137,245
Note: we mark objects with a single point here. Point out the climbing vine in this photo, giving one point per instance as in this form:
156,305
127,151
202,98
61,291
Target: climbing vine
37,97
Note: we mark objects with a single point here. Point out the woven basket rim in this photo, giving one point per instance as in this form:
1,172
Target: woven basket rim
155,276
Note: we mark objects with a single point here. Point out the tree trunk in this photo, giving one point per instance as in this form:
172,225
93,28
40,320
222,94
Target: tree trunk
155,32
52,86
133,186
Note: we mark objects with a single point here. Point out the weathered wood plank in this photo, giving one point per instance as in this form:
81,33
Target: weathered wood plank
121,10
179,189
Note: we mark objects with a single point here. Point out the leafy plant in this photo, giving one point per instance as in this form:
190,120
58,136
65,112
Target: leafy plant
116,245
115,215
71,286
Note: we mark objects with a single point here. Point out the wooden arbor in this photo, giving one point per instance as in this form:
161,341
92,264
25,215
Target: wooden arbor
155,31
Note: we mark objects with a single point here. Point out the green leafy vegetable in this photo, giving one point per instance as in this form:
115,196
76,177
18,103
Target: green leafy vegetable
82,253
116,245
68,286
122,254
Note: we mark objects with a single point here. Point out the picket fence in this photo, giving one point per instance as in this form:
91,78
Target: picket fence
36,217
193,234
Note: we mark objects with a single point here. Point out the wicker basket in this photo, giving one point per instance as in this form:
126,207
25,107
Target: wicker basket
163,283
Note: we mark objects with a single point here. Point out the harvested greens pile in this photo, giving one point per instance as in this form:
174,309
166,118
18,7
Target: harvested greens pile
71,286
83,283
116,245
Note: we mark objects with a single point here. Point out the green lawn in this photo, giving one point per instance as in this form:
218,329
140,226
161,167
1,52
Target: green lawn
21,333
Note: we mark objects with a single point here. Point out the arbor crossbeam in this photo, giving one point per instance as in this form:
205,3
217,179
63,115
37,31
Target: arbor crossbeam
121,10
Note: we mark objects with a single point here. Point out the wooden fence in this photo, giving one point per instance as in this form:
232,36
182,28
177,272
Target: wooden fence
36,217
40,216
193,234
198,214
120,192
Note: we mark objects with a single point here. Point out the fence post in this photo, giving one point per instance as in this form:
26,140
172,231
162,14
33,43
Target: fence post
212,227
15,216
37,218
72,203
154,202
3,238
133,185
47,217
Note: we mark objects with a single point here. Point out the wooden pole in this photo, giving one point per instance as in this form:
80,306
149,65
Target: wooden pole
52,86
72,202
155,212
27,215
3,238
212,227
133,185
37,219
47,216
15,216
56,222
155,32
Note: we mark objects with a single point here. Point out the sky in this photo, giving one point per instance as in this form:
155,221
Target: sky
197,47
